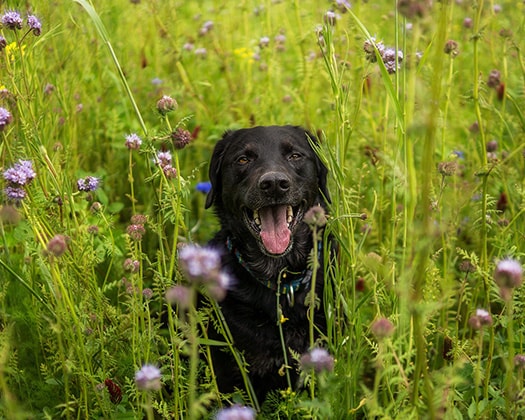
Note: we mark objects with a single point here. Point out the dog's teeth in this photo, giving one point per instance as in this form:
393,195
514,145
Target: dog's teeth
289,214
256,217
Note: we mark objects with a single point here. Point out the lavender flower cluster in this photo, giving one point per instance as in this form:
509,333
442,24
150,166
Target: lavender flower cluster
202,268
13,20
391,58
88,183
18,176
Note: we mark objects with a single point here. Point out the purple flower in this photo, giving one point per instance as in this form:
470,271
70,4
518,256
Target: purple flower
131,266
148,378
14,193
147,293
201,52
200,264
163,159
236,412
87,184
133,141
480,319
34,24
519,361
317,359
136,231
330,18
508,273
12,20
156,81
392,59
179,295
264,42
206,27
203,187
343,5
21,173
5,118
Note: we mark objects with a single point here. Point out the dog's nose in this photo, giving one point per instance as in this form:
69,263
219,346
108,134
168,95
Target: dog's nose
274,182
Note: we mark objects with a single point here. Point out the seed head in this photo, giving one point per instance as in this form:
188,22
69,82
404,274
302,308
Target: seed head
413,8
57,245
447,168
315,217
3,43
147,293
451,48
181,138
166,104
494,79
491,146
139,219
382,328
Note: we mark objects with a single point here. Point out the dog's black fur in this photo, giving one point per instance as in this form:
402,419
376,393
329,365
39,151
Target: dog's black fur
265,168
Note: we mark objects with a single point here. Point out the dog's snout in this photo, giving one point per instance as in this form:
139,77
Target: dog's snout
274,182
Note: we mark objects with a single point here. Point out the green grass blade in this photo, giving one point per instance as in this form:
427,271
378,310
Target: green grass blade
105,37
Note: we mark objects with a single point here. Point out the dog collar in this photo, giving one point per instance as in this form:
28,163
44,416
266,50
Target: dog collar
288,282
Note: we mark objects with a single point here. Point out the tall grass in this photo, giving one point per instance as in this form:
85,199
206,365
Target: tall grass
426,176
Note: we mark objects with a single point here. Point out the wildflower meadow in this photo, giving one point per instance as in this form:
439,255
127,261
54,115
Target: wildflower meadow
109,112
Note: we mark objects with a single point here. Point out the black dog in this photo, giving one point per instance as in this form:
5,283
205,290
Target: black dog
264,180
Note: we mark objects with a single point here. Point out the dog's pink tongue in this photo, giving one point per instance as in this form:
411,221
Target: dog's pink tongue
275,234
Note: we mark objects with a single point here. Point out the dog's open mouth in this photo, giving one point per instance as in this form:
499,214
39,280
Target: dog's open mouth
274,225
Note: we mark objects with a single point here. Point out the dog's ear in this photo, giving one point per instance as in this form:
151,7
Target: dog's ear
215,170
322,171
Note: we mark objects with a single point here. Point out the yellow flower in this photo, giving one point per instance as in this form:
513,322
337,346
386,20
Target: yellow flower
244,53
11,48
283,319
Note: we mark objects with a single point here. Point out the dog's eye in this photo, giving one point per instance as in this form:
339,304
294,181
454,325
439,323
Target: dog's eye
242,160
294,156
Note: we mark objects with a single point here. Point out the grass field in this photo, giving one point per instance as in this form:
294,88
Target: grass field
419,106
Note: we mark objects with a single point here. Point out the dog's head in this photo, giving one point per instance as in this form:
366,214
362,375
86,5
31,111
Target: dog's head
263,180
